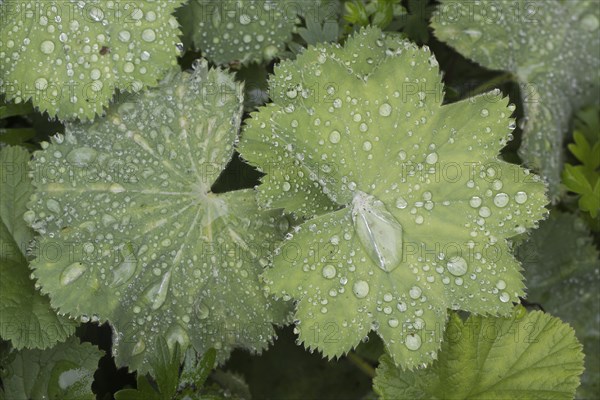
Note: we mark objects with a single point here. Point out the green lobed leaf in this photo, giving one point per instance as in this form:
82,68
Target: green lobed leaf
390,249
26,318
532,356
151,248
243,31
70,57
552,48
65,371
561,267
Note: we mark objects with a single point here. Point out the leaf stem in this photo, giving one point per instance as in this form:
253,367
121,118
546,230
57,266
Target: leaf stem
362,364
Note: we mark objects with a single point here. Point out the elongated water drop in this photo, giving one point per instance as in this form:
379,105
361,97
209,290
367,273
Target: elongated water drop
125,271
158,293
378,231
72,273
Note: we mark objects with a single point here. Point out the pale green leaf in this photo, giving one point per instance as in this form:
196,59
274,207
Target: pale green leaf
65,371
70,57
393,246
240,31
561,267
552,48
26,318
155,251
535,356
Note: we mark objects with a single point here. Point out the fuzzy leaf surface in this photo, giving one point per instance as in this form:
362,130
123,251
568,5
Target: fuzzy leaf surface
26,318
553,49
535,356
388,249
70,57
155,251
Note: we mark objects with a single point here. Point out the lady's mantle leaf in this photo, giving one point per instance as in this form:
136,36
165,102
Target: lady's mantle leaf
243,31
493,358
65,371
561,267
393,246
26,318
552,47
144,241
69,57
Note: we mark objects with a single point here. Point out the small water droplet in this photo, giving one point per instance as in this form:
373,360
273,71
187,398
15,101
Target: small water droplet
504,297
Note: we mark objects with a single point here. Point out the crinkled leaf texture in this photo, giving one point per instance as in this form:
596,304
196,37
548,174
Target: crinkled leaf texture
26,318
561,268
531,356
65,371
70,57
552,47
243,31
393,245
145,243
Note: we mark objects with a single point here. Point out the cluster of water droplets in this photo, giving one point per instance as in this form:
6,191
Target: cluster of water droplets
242,31
78,53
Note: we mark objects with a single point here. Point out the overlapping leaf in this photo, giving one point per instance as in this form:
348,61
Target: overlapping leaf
244,31
26,318
65,371
561,267
535,356
391,247
552,47
150,247
70,57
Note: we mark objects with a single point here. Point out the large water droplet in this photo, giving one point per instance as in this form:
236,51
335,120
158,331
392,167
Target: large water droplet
47,47
334,137
590,22
202,310
473,34
82,156
72,273
457,266
360,289
521,197
149,35
158,293
139,347
501,200
378,231
126,269
413,342
329,271
385,110
415,292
